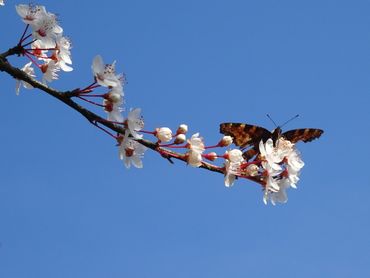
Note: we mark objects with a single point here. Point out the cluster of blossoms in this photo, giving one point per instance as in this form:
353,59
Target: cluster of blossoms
276,165
48,45
130,151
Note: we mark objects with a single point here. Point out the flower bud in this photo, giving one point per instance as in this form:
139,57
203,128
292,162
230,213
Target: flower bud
212,156
180,138
225,141
182,129
164,134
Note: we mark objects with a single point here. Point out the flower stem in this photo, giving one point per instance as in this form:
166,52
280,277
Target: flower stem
91,102
103,129
24,33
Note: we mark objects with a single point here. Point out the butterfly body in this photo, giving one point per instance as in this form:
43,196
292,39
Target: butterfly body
248,136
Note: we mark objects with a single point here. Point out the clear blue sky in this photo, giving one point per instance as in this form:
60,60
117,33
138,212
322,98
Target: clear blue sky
69,208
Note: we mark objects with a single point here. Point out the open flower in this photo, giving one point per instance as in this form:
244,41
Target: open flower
113,110
135,123
31,14
270,156
28,69
279,196
50,71
46,29
196,148
131,152
62,54
105,74
44,24
234,159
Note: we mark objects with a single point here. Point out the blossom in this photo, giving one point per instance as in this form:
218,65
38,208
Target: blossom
39,50
283,148
49,70
294,165
196,148
232,165
164,134
135,123
2,3
31,14
46,29
28,69
279,196
230,173
114,111
105,75
62,54
270,157
131,152
44,24
235,156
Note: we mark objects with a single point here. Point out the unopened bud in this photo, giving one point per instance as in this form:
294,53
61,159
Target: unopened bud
252,170
212,156
182,129
164,134
181,138
225,141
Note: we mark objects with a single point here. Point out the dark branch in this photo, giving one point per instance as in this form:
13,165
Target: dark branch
66,97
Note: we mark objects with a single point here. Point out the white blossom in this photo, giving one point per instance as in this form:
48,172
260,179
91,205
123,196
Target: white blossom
28,69
230,173
105,74
235,155
2,3
50,71
39,50
135,123
232,165
46,29
279,196
62,54
196,148
113,110
131,152
270,157
31,14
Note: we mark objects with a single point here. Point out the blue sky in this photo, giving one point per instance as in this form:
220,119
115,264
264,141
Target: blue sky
69,208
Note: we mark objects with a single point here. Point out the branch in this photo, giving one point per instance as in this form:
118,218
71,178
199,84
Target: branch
66,98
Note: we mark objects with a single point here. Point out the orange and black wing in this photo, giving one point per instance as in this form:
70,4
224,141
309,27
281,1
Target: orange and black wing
302,134
245,135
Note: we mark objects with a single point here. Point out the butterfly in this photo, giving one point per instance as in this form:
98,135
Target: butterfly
248,136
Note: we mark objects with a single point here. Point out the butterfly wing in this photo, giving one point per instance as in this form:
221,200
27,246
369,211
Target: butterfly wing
302,134
245,135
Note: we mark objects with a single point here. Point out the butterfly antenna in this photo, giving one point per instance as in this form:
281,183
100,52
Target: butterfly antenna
296,116
268,116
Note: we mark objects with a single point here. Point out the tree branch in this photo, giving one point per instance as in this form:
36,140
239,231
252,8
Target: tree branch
66,98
